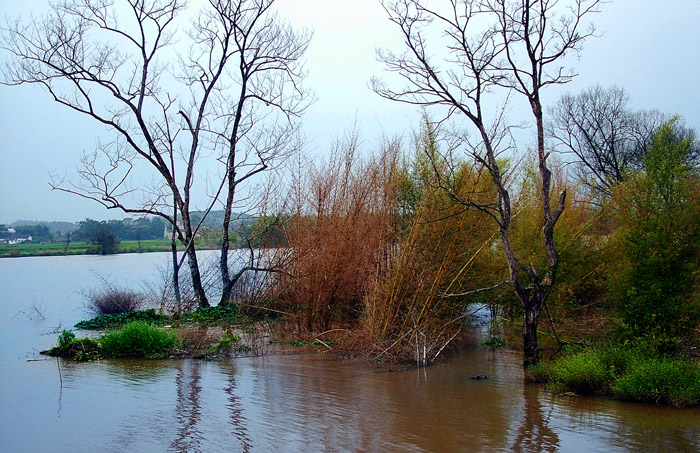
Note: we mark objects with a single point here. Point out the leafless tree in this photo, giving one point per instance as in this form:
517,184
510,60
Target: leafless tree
170,97
491,47
258,124
608,137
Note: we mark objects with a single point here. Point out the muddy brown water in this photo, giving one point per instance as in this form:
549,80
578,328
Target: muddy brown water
282,402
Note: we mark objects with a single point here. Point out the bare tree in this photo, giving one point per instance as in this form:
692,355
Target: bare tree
489,45
608,138
258,125
167,95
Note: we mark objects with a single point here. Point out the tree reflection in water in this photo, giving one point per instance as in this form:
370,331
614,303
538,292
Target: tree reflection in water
189,411
534,433
235,408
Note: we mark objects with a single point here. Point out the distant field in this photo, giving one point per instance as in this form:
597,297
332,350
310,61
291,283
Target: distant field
80,248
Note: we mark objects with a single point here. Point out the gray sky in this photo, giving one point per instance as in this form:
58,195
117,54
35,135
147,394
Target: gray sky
650,48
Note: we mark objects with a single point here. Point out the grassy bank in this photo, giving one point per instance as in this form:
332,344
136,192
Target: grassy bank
81,248
625,374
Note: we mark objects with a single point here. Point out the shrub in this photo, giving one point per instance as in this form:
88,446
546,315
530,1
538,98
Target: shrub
138,339
658,213
111,300
81,349
661,380
65,339
583,373
539,372
630,374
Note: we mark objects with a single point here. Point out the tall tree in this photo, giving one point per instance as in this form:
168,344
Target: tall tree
657,209
608,138
258,124
516,46
167,95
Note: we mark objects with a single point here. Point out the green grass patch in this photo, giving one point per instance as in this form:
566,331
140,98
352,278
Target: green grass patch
82,248
229,314
138,339
135,340
661,381
626,374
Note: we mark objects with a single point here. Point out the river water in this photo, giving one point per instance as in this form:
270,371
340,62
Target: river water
280,402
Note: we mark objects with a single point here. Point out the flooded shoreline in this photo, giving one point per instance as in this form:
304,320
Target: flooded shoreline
301,402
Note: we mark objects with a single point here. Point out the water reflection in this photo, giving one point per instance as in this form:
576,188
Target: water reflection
235,407
188,410
535,433
285,403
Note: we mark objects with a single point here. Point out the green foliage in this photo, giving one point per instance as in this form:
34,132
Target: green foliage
99,233
540,372
299,343
138,339
627,374
81,349
495,341
584,373
661,380
209,315
658,212
116,320
228,343
37,231
65,339
228,313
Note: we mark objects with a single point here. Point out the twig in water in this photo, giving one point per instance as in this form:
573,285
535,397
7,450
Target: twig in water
60,376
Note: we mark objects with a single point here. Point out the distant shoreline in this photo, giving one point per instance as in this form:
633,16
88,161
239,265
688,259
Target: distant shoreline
82,248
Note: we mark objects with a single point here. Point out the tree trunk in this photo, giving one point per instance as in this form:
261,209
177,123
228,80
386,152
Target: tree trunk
531,350
196,278
226,284
176,279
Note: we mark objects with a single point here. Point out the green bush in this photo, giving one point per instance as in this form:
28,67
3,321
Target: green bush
657,210
661,380
627,374
583,373
65,339
81,349
138,339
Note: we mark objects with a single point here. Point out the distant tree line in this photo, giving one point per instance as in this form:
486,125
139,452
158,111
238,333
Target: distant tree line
107,233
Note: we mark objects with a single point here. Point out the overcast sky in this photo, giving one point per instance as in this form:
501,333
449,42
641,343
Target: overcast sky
649,47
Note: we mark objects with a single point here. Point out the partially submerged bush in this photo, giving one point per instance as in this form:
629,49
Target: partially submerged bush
584,373
112,300
669,381
625,374
138,339
81,349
